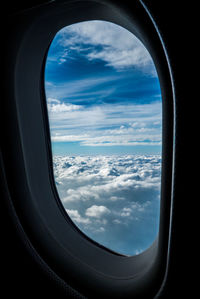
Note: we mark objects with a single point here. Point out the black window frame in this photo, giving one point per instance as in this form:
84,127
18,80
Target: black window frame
81,263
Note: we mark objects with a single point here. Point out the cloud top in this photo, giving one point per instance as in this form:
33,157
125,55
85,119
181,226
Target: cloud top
112,199
97,211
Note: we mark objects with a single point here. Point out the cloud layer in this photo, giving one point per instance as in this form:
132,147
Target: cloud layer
105,125
113,199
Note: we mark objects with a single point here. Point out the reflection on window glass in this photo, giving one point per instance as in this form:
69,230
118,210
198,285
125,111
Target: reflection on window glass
105,113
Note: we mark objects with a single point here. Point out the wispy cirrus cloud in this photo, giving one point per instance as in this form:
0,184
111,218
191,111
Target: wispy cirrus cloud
100,40
99,126
96,105
90,87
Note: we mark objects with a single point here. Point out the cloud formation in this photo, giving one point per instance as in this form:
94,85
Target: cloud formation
113,199
111,43
97,211
105,125
74,214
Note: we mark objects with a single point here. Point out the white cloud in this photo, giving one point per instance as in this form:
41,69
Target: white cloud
126,212
76,88
74,214
115,198
100,229
51,101
121,58
97,211
119,48
55,106
116,221
106,180
111,197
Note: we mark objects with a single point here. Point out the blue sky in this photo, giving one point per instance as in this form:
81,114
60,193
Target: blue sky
103,92
105,114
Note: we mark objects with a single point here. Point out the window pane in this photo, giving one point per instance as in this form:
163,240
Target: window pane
105,114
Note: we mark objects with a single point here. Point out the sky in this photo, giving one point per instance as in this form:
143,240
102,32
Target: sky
105,116
102,91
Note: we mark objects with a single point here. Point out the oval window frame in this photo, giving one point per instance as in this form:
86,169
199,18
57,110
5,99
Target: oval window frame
47,225
86,232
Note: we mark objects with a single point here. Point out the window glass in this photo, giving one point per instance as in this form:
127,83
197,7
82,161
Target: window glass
105,114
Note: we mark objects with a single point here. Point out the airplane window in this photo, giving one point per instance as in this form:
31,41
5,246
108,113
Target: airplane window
105,115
